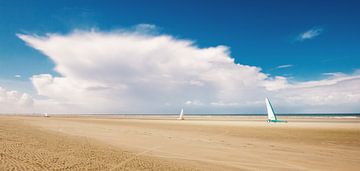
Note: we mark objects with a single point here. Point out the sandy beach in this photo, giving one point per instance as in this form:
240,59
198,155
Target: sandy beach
163,143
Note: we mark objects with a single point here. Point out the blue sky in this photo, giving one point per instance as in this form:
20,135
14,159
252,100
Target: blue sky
300,40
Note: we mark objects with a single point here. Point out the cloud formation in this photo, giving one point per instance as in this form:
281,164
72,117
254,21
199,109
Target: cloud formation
12,101
310,34
284,66
137,72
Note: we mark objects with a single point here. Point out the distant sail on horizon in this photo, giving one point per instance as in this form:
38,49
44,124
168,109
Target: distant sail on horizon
270,112
181,116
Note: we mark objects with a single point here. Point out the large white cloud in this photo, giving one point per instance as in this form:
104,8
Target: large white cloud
139,72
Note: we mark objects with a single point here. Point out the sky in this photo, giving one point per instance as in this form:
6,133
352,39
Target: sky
161,56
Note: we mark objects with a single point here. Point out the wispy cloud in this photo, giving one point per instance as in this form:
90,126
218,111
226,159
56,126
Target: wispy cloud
146,28
284,66
310,34
17,76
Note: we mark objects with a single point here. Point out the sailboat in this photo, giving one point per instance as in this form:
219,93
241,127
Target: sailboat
181,116
270,112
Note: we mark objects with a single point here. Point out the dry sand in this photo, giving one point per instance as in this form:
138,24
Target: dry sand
158,143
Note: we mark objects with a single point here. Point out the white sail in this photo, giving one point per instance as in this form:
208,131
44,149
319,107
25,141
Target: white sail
270,110
181,116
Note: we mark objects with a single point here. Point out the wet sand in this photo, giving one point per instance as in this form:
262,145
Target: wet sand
162,143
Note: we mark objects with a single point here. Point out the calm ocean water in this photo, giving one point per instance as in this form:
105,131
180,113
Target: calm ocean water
348,115
295,114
